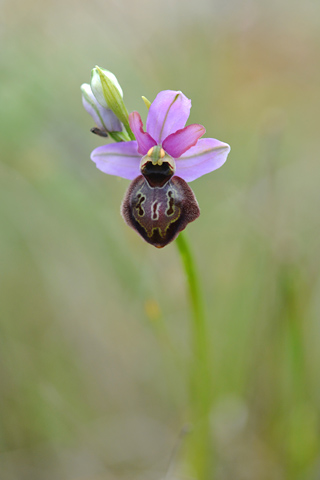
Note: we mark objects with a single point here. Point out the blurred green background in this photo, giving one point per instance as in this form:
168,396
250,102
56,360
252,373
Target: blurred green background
94,323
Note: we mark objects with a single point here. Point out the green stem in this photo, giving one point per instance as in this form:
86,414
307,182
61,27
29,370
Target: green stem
200,453
119,136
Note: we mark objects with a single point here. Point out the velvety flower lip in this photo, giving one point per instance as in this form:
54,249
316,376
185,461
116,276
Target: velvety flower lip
165,124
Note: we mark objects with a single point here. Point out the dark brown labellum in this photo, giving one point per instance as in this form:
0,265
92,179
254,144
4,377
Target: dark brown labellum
159,213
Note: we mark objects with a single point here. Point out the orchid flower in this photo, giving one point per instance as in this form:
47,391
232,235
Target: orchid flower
159,203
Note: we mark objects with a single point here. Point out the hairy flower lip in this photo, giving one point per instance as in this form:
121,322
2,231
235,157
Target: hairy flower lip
159,214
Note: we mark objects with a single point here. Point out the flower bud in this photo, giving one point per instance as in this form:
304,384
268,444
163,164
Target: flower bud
103,117
106,89
97,88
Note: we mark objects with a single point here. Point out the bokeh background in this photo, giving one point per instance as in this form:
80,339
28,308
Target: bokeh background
94,323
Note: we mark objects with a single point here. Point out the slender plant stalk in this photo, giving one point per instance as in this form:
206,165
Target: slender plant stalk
200,453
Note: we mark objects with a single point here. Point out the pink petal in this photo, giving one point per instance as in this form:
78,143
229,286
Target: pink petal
145,141
121,159
179,142
208,155
168,113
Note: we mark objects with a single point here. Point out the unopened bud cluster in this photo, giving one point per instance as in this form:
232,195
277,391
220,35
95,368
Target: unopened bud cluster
103,100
